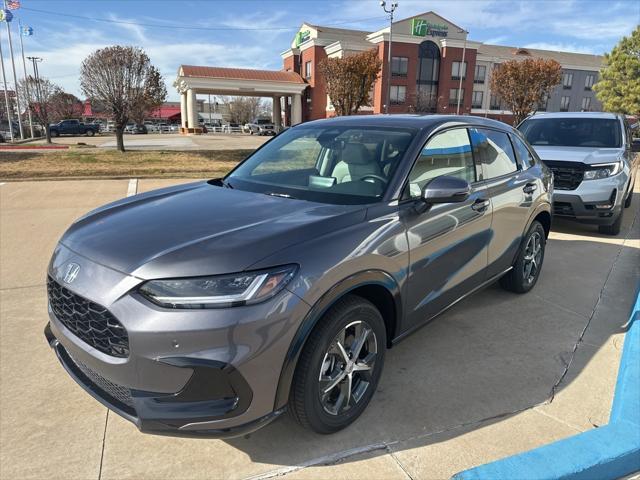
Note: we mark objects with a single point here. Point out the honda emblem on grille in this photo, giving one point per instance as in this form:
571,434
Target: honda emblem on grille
72,272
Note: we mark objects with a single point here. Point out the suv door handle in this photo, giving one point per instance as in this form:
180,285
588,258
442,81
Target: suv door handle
480,205
529,188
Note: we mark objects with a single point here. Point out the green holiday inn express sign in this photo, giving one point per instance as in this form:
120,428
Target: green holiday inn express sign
302,37
422,28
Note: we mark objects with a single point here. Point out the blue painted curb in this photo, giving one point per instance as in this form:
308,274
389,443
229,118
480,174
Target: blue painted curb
608,452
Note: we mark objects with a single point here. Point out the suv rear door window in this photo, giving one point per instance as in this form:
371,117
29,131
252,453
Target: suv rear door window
494,150
524,155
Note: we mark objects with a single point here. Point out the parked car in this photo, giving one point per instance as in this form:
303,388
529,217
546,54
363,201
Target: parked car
135,128
232,128
260,126
592,156
152,127
73,127
5,132
282,284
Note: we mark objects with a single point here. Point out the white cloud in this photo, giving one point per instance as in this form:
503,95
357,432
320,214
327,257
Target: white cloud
563,47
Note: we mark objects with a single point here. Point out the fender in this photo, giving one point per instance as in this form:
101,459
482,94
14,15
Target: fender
367,277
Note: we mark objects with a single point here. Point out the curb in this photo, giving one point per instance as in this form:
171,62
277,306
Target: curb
609,452
34,147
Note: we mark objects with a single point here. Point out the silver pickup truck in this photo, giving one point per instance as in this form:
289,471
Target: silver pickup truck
593,159
260,126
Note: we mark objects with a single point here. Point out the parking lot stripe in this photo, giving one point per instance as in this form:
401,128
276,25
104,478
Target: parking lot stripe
133,187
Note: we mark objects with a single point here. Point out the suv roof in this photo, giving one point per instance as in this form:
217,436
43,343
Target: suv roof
606,115
409,120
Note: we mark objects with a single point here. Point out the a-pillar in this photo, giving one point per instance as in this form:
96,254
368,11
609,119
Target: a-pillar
183,111
192,111
277,113
296,109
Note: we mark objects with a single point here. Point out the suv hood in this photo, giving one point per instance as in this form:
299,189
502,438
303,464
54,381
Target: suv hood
586,155
199,229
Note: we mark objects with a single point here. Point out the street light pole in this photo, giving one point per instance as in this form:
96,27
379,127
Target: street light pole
464,67
394,5
15,77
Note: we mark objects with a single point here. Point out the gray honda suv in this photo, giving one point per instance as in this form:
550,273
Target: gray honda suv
213,307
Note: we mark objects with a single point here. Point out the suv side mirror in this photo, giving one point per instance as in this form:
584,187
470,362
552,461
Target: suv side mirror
635,145
446,189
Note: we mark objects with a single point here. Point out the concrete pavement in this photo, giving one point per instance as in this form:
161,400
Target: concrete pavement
497,374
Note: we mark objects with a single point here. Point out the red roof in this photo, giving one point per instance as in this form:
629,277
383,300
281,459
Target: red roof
165,111
241,74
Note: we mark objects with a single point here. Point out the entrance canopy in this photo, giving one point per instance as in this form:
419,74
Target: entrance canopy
193,80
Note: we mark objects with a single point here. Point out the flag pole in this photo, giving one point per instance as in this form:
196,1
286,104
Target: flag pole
15,77
26,79
6,92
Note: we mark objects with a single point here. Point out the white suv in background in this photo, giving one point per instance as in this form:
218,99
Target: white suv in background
593,159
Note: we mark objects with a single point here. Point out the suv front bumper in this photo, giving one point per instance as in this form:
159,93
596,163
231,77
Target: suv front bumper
597,202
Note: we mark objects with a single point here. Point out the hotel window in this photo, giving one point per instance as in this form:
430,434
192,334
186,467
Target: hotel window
458,69
494,104
476,100
307,70
398,94
564,104
480,74
586,104
399,66
567,80
453,97
588,81
542,106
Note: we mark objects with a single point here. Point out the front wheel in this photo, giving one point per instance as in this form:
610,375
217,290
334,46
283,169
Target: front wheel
526,269
340,366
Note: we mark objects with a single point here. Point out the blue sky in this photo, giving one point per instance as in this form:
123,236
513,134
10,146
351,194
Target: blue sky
252,33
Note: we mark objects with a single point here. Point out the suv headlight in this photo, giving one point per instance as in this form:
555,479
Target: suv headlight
603,170
218,291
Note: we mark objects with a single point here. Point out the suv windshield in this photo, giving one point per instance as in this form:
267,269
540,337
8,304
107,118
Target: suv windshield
572,132
263,121
328,164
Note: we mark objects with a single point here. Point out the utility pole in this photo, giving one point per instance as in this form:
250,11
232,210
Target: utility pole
394,5
6,94
41,105
15,77
463,69
26,80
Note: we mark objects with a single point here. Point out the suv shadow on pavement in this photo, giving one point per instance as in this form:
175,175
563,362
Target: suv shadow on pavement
491,356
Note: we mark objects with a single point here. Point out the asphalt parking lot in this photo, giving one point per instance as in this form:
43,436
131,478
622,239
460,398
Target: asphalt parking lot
497,374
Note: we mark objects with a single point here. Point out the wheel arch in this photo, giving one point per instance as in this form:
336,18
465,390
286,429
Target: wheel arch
377,286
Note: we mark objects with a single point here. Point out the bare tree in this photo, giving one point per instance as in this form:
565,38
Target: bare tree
125,81
39,99
244,109
524,84
64,105
350,79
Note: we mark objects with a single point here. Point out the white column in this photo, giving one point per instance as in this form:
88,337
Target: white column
183,109
192,108
296,109
277,113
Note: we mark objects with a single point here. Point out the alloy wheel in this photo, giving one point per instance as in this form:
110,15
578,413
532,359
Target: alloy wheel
532,257
347,366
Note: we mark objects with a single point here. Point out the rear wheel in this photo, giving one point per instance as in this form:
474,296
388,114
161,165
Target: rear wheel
614,228
54,133
526,269
340,366
90,133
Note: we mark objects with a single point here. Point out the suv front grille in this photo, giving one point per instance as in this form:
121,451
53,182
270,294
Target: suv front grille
115,391
90,322
566,175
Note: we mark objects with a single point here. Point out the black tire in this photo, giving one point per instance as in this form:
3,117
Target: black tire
519,279
90,133
627,202
614,228
305,401
54,133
